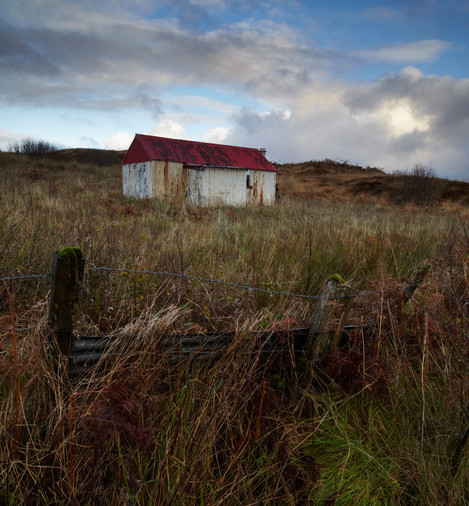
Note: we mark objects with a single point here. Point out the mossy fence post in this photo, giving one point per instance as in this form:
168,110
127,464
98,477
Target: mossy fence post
67,275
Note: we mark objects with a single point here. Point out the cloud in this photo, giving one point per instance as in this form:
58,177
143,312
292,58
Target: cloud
216,135
443,101
119,141
86,64
411,53
122,58
147,101
252,122
8,138
392,123
124,63
168,128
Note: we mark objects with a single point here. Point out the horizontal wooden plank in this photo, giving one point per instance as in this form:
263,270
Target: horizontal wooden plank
89,349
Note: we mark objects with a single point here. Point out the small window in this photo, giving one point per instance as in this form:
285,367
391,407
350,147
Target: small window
248,179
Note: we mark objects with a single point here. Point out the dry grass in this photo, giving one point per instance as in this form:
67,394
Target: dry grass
330,179
384,421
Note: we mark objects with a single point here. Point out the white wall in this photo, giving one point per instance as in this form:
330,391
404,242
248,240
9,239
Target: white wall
263,187
225,186
210,186
214,185
137,180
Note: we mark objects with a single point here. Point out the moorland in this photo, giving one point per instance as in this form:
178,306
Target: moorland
383,421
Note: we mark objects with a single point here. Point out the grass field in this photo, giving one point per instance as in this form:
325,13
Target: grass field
383,422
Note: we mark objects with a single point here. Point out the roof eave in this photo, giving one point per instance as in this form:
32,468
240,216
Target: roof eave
208,166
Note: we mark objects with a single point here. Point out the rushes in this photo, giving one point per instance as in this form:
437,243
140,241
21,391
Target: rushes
385,420
242,426
293,246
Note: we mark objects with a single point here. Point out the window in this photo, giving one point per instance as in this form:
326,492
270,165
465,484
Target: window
248,179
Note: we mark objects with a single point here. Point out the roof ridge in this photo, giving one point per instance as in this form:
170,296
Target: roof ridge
196,142
151,147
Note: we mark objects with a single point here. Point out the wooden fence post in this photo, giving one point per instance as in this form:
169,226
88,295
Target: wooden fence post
412,285
318,340
315,340
67,274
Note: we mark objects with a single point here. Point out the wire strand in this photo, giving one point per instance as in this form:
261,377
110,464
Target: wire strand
29,276
243,287
216,281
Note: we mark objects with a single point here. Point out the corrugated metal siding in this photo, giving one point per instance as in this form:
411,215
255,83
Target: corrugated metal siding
137,180
210,186
168,180
194,185
214,186
263,188
225,186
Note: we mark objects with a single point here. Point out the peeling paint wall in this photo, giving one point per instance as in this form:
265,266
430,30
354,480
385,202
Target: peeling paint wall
194,186
168,180
213,186
210,186
263,188
225,186
137,180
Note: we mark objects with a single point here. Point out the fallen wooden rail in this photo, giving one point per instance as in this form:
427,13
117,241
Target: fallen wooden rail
326,332
89,350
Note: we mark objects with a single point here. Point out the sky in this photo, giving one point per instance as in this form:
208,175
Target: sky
381,84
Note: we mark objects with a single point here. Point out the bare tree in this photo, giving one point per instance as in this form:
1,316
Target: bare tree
32,147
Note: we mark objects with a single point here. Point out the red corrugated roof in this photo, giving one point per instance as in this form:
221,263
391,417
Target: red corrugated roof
148,147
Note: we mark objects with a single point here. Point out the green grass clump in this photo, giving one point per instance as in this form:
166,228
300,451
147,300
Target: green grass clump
354,460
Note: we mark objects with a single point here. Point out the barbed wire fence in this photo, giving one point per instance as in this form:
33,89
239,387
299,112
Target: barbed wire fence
27,276
214,281
68,273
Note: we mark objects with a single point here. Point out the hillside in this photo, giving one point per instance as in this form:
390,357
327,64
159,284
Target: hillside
329,179
326,179
89,156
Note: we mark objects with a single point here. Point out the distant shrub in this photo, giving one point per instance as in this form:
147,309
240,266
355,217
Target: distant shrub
32,147
419,185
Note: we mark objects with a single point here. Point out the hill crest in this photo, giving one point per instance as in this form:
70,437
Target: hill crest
320,179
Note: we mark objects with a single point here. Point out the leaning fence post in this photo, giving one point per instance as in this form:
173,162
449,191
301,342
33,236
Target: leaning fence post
67,274
412,285
318,340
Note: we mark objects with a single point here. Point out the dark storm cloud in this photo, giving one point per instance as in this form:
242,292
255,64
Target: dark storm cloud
81,65
18,55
